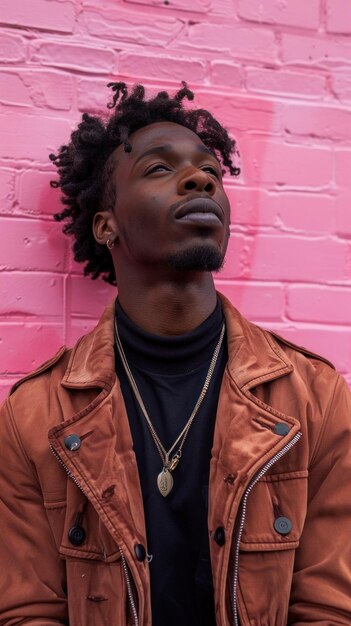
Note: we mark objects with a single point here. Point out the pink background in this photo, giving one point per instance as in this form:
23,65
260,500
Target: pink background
277,73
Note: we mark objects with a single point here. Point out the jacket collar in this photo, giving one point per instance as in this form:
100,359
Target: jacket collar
253,355
92,361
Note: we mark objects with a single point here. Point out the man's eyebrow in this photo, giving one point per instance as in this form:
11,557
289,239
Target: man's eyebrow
207,150
155,150
162,149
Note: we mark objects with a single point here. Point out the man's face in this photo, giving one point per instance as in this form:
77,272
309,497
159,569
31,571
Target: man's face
171,209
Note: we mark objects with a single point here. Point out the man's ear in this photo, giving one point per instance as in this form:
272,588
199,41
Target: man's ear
105,227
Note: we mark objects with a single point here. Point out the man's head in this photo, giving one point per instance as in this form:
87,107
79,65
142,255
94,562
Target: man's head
95,172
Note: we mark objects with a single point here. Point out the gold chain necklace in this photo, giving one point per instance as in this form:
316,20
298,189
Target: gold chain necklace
165,478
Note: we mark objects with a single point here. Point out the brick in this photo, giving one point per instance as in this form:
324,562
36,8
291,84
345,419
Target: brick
322,304
223,7
302,85
24,294
52,90
23,347
13,48
254,300
128,26
32,245
163,7
342,214
295,258
332,343
338,17
278,163
40,14
171,68
246,120
250,43
237,258
247,206
287,12
216,7
13,91
7,190
315,50
31,136
341,85
35,196
35,87
343,167
93,95
226,73
303,212
241,113
88,298
74,56
196,6
318,121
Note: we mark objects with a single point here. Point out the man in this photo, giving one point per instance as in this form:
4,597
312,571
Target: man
179,465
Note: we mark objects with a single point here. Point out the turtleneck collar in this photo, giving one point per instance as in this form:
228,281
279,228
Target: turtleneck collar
178,354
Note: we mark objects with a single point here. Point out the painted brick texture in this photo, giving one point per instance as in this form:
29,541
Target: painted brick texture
277,73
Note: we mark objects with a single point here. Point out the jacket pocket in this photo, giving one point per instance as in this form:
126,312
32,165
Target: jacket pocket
96,593
95,582
274,520
275,512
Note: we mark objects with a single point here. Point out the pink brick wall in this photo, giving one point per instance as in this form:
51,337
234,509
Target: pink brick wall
277,73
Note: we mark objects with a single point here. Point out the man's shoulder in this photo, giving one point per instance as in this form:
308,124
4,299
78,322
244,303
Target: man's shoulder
292,348
45,368
89,363
42,371
30,409
268,352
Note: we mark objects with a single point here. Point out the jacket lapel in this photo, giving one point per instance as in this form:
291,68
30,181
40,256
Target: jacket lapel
246,434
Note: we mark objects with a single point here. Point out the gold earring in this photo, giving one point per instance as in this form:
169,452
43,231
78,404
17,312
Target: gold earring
110,244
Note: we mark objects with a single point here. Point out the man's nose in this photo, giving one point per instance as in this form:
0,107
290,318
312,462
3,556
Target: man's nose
195,179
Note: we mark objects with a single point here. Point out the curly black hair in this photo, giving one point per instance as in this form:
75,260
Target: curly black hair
85,167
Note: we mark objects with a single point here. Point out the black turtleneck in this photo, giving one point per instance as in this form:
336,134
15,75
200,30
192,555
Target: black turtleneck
170,373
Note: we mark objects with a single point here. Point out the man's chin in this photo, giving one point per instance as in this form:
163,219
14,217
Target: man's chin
197,259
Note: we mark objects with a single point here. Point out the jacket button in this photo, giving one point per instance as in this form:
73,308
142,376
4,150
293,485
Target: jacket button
72,442
282,525
76,535
140,552
281,429
219,536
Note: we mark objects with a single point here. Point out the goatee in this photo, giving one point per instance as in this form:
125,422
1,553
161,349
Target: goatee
197,259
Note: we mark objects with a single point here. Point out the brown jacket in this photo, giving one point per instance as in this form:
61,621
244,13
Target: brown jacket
279,505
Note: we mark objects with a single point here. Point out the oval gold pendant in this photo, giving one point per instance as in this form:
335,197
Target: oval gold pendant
165,482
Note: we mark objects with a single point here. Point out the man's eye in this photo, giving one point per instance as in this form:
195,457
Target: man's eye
160,167
211,170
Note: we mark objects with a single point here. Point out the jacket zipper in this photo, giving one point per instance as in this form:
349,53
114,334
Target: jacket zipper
129,589
247,492
126,570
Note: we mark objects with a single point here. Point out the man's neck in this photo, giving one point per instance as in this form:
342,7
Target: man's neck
172,307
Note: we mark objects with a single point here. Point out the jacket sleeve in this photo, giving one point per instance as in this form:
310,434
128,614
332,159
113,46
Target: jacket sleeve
32,577
321,590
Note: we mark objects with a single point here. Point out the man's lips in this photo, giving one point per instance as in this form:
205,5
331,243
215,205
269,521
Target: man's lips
204,210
